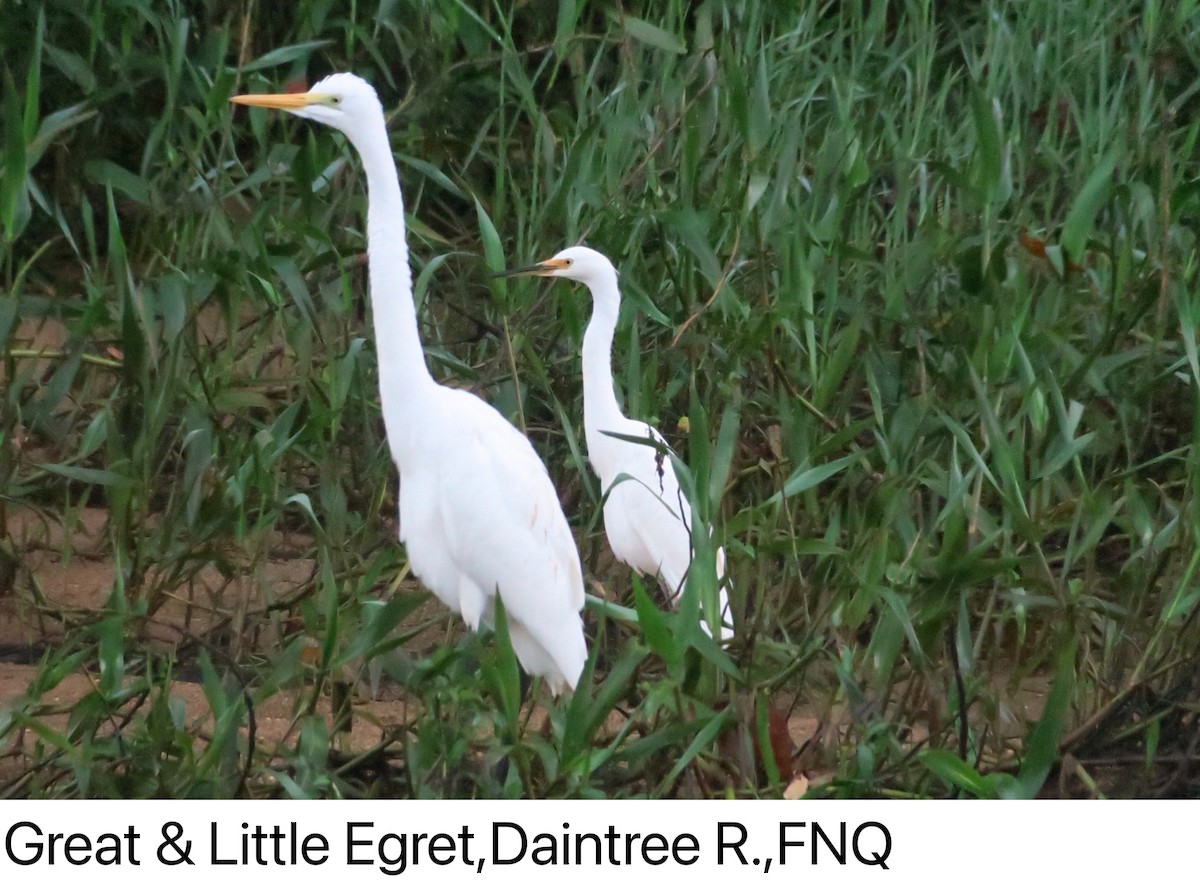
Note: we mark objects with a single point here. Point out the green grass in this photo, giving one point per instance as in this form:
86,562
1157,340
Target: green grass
922,278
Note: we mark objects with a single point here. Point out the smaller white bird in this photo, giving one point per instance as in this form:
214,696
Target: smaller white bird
646,517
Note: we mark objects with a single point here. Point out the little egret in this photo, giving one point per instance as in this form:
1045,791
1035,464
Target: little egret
646,516
478,513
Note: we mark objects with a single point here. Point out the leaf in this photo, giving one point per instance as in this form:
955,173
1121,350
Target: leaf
33,79
284,54
1078,226
379,620
111,654
286,270
1005,454
1063,453
330,590
713,652
703,738
651,35
957,772
693,229
796,547
305,503
655,629
843,357
38,727
987,134
1042,748
722,459
493,252
87,475
587,713
568,16
432,173
504,676
106,172
14,194
807,478
73,67
761,121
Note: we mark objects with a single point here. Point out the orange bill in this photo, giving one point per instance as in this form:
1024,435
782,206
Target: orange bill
541,269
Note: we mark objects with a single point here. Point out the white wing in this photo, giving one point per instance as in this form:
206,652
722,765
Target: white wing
646,516
491,523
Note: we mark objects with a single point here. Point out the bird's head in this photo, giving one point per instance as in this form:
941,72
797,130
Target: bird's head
575,263
343,101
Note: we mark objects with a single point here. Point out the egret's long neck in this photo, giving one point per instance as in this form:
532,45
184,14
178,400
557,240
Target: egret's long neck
600,409
403,375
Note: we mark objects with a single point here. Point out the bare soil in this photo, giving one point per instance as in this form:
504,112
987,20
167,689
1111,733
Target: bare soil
70,578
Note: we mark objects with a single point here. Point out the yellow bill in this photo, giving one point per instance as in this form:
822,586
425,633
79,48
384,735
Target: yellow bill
283,101
541,269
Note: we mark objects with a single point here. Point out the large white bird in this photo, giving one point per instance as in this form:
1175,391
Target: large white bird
646,516
478,513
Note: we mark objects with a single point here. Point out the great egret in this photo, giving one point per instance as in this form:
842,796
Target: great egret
478,513
645,514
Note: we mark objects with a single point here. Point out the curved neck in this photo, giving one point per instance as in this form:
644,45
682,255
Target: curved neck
600,407
402,369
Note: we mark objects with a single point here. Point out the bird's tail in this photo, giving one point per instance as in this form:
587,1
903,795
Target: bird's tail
559,658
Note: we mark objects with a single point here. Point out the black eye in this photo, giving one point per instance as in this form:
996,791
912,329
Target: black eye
337,99
569,261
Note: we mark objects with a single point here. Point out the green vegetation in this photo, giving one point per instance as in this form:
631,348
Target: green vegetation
923,279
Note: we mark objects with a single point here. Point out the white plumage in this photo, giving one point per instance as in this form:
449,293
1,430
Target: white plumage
478,512
646,516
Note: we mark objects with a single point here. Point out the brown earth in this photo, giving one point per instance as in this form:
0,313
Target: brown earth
71,578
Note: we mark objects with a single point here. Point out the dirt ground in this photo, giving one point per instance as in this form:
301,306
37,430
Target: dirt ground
72,578
80,581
